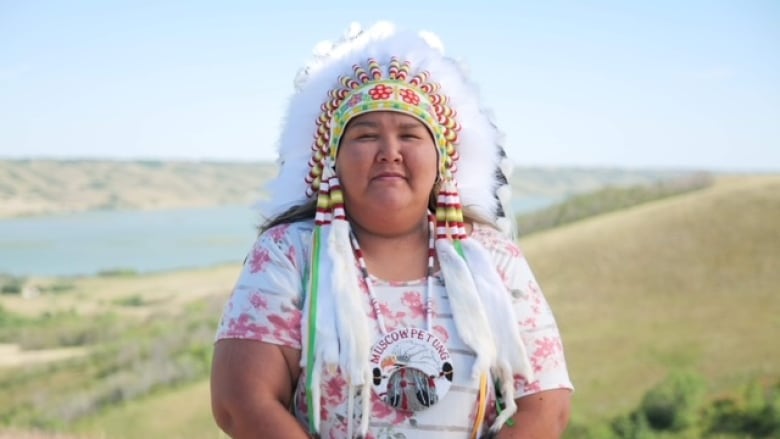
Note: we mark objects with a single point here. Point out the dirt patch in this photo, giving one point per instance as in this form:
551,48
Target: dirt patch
12,355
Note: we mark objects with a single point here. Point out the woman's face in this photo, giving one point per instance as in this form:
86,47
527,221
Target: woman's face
387,162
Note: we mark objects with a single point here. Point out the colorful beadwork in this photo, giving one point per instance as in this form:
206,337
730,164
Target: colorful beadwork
368,90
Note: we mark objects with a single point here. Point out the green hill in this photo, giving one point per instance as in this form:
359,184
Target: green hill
688,281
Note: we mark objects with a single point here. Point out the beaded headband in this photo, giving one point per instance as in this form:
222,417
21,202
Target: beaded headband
368,90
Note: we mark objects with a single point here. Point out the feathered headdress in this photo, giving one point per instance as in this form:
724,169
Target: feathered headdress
383,69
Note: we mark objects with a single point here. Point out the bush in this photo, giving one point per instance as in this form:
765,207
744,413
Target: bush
756,413
675,403
118,272
134,301
58,287
632,426
13,286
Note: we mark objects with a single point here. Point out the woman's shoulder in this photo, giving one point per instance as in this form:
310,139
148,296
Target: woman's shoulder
289,230
494,241
295,234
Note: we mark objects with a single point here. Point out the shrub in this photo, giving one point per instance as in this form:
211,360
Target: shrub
756,413
134,301
118,272
632,426
675,403
13,286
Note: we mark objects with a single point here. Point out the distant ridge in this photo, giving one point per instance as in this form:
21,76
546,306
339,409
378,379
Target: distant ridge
41,187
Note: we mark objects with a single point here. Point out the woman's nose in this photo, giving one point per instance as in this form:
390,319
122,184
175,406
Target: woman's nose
389,149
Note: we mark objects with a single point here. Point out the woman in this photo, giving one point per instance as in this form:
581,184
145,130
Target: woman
385,296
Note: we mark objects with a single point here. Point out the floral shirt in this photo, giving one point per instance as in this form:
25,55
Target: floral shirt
266,306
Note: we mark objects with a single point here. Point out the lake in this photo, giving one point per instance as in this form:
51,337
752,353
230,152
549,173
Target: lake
144,241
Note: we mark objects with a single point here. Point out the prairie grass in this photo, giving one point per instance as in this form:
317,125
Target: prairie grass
183,413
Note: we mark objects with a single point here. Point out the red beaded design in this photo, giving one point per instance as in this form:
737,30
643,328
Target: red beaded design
399,72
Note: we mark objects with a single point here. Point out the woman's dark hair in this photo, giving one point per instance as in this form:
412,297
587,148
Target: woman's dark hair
307,210
300,212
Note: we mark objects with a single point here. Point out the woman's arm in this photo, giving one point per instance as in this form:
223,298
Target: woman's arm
252,384
542,415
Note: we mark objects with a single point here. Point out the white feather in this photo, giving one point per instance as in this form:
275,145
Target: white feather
495,297
467,310
316,393
366,404
504,194
351,321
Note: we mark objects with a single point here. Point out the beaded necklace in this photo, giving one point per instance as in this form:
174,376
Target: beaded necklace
428,278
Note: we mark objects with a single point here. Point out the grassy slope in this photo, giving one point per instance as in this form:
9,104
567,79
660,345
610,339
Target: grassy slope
184,413
688,281
684,282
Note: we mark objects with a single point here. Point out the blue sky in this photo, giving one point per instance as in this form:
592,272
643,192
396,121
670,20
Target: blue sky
683,84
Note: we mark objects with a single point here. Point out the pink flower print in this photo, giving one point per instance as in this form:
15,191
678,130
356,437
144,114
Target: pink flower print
291,254
339,429
258,301
503,276
413,302
545,348
410,97
245,327
278,233
301,404
536,297
522,383
335,391
513,250
533,387
258,260
441,332
529,323
392,320
380,92
286,329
